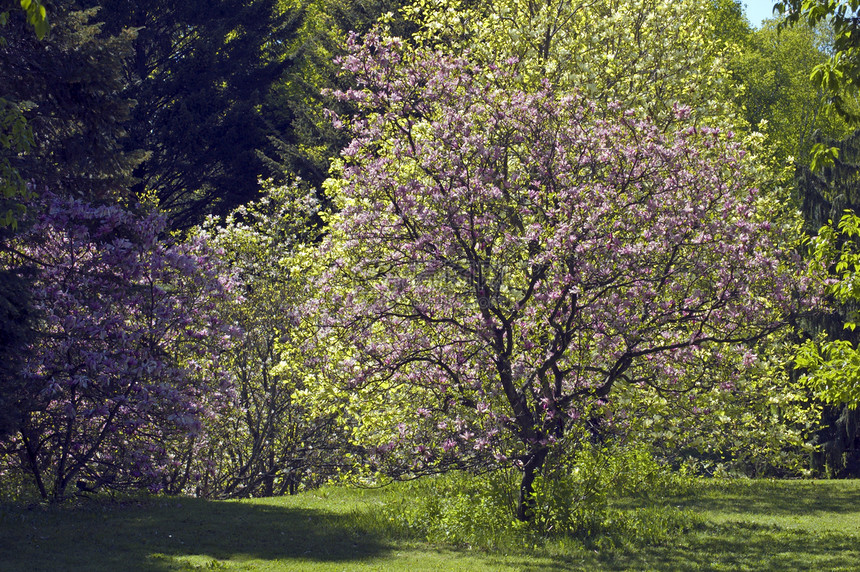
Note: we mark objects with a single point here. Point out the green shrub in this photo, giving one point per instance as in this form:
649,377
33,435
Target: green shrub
581,496
596,496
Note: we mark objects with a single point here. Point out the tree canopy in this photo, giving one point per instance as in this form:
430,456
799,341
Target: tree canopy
838,75
70,89
200,74
503,258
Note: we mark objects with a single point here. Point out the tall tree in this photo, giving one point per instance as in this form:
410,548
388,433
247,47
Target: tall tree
504,259
828,359
774,68
840,74
69,87
200,73
826,190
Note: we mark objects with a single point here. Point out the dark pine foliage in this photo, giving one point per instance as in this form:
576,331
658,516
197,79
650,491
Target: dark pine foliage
824,196
16,330
200,73
70,87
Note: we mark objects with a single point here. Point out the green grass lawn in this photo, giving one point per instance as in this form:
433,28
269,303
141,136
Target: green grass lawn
743,525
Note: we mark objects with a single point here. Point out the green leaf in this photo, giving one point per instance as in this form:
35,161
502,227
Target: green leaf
41,28
37,16
823,156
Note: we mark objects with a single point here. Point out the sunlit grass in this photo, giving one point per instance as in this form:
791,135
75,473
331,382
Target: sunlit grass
741,525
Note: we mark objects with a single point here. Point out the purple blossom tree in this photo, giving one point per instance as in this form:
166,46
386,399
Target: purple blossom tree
126,352
503,259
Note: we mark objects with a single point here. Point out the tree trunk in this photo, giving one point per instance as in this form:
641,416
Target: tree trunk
526,501
33,462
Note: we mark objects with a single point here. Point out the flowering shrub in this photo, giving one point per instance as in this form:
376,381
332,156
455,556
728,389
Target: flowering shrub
126,353
275,434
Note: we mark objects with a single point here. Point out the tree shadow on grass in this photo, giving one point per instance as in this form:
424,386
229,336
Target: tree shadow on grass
776,498
734,547
764,525
162,534
742,546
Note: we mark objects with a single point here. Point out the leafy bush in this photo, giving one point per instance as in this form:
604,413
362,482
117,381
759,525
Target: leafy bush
591,496
580,495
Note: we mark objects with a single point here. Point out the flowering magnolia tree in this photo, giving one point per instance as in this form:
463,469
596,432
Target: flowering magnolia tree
125,356
502,260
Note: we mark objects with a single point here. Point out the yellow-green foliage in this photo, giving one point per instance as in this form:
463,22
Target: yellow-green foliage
832,367
277,427
772,71
651,54
747,417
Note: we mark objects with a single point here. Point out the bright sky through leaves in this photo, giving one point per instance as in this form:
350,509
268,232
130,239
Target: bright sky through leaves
758,10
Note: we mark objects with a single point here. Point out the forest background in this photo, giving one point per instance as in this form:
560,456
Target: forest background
252,246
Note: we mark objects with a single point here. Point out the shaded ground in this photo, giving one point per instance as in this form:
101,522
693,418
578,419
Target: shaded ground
747,525
148,536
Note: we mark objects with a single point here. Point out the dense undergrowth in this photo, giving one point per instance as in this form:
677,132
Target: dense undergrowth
597,499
